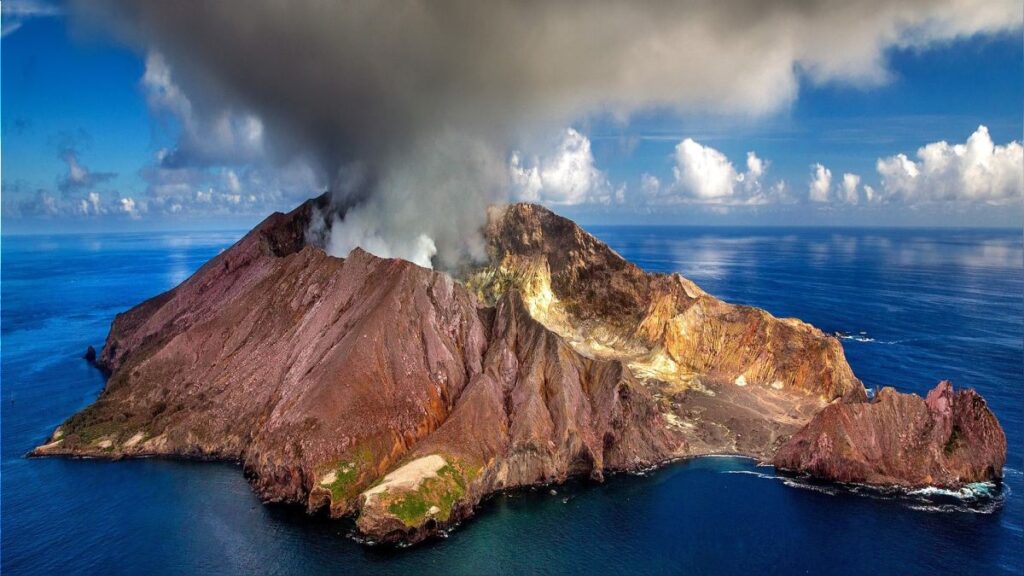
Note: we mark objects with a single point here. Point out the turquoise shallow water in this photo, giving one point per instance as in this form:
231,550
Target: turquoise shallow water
915,306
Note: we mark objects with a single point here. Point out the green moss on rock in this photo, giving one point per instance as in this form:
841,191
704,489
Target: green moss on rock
442,491
348,475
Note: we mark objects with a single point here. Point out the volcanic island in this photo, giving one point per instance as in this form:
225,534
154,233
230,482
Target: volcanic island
402,396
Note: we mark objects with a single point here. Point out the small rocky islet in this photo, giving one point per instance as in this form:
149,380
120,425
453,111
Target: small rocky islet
402,396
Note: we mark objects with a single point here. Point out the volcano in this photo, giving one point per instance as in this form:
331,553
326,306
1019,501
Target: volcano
401,396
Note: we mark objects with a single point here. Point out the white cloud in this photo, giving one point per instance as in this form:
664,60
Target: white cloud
231,182
47,203
76,174
161,91
620,194
526,183
847,191
173,189
752,179
129,207
870,195
821,184
567,176
650,185
79,178
755,166
976,171
704,175
850,184
44,204
703,172
90,205
780,191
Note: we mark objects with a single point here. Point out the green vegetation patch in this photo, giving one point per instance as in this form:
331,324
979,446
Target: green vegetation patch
98,422
96,432
443,491
348,474
411,508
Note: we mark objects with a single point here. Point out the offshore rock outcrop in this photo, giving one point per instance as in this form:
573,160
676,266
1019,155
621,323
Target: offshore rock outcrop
376,388
947,439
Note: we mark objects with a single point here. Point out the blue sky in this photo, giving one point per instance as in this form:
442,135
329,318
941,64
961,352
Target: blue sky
83,138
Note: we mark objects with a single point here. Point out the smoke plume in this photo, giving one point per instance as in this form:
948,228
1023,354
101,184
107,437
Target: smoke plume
409,109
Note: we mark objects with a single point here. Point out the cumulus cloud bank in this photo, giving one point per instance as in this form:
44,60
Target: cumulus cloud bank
44,204
566,176
407,111
80,191
706,176
704,172
975,171
848,190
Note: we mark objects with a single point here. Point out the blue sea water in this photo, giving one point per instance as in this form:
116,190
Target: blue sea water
915,306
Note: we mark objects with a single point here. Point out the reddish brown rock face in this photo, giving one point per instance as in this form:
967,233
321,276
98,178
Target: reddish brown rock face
947,439
395,393
538,412
325,375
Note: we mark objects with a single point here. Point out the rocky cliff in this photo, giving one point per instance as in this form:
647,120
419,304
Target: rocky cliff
947,439
400,395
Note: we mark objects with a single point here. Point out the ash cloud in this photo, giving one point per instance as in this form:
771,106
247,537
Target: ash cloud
409,110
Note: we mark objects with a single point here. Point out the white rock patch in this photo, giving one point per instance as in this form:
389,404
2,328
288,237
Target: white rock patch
408,477
741,380
674,421
51,445
135,439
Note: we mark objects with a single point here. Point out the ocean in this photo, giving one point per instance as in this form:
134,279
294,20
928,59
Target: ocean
912,307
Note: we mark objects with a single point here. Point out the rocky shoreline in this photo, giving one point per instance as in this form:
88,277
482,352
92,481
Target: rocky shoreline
402,396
